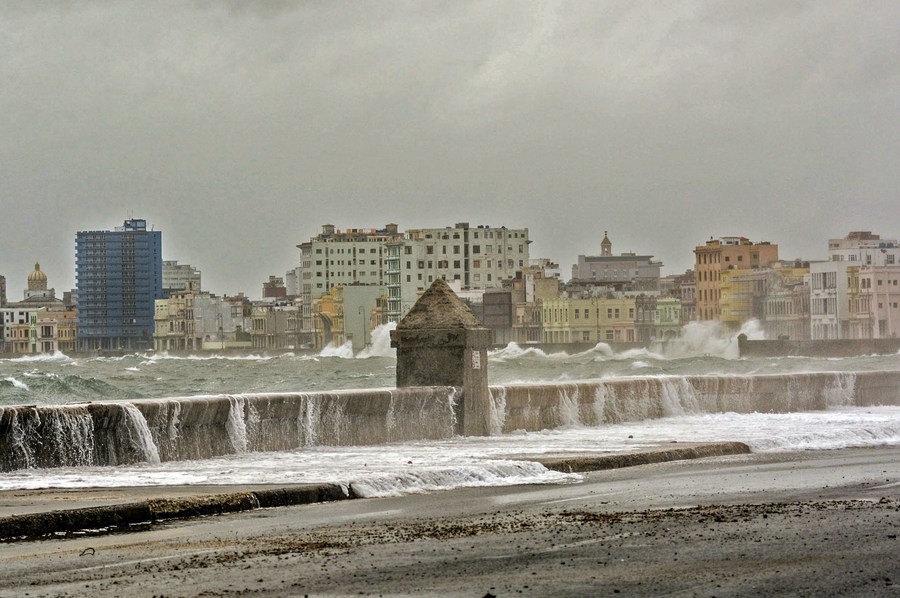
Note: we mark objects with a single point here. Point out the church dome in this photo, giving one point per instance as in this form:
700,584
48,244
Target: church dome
37,279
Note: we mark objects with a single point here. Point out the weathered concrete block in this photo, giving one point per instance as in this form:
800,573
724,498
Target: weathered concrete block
440,342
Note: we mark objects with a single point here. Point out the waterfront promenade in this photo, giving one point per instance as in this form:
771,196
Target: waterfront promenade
815,523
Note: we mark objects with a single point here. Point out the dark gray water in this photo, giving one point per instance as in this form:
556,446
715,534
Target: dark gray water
60,379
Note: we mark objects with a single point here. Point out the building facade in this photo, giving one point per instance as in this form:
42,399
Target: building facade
337,258
719,255
39,323
179,277
275,326
625,272
589,320
189,321
835,291
118,278
476,258
274,288
788,309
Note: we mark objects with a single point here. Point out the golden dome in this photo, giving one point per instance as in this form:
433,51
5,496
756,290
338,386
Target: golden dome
37,279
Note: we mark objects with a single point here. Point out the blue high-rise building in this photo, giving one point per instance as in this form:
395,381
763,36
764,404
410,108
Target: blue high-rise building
118,275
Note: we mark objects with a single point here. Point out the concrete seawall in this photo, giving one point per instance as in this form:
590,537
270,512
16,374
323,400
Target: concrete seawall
204,427
534,407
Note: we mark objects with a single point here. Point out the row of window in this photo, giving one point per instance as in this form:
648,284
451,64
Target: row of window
562,314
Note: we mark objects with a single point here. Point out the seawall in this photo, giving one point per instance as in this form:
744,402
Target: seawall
112,433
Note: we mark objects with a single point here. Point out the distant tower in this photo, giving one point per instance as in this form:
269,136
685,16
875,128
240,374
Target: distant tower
605,246
118,275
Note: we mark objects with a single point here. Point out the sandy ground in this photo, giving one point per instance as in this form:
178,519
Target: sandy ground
806,524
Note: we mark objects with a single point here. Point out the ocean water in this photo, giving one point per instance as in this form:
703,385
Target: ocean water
433,465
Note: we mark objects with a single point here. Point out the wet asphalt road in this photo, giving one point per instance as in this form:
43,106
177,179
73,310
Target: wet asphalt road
805,524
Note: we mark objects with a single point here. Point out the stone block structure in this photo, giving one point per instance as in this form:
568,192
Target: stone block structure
440,342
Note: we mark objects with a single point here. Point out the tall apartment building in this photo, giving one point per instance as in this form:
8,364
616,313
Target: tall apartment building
337,258
718,255
478,258
179,277
118,277
407,263
2,291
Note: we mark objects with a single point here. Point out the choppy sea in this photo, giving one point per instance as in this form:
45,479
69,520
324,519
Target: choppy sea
433,465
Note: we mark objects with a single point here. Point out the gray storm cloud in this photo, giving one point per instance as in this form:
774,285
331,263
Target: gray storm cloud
238,128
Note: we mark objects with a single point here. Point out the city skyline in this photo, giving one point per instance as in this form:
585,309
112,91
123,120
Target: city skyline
240,129
255,292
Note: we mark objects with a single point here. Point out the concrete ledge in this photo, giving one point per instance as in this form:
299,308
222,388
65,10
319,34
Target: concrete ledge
116,516
601,462
36,525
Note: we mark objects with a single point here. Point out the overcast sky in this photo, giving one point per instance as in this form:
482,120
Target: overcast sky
239,128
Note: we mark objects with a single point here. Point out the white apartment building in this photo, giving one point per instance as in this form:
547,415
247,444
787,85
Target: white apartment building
292,280
336,257
831,282
878,311
407,263
18,327
475,258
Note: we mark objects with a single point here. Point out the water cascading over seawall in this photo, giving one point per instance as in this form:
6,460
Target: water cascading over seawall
533,407
203,427
178,429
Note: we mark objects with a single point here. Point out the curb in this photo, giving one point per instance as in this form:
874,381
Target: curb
600,463
122,516
108,518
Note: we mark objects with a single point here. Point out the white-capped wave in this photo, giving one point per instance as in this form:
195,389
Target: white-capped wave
17,383
638,354
344,351
56,356
433,479
213,357
380,345
515,351
710,338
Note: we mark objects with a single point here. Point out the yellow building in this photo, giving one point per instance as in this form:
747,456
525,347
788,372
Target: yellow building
721,255
617,319
746,294
740,296
328,318
592,320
